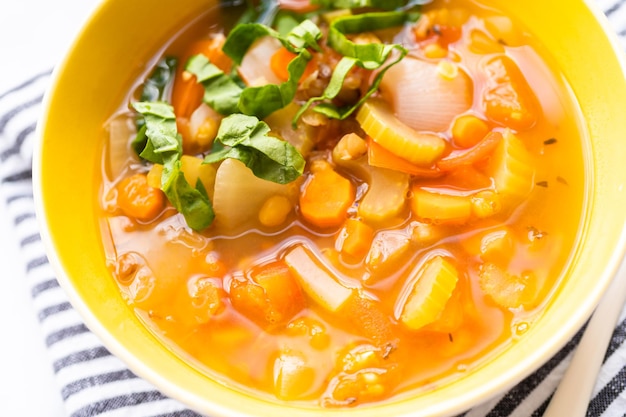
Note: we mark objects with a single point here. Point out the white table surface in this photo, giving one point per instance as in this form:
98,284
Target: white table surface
34,35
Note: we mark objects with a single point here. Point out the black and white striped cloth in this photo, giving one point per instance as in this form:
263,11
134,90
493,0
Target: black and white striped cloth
93,382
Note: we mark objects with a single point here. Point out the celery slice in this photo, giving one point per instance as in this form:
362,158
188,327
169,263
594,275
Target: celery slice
432,285
379,122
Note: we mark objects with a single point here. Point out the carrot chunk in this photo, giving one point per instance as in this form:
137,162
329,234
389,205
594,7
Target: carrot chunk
508,99
186,92
270,297
280,61
326,197
139,200
358,238
477,153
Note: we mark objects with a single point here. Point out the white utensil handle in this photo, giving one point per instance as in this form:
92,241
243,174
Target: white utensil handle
571,397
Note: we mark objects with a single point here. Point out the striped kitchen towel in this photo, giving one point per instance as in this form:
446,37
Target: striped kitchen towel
92,382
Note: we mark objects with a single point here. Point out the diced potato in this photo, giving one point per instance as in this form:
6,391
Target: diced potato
356,238
504,29
154,175
234,183
430,287
507,290
379,122
194,170
486,204
201,299
440,208
386,250
203,125
302,138
494,245
293,375
316,280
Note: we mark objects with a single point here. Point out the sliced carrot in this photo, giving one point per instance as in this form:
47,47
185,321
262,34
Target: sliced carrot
300,6
380,157
281,59
326,196
139,200
467,157
358,238
507,98
187,93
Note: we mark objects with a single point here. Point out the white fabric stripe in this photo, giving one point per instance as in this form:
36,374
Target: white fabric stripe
98,393
150,409
60,321
77,343
80,371
542,391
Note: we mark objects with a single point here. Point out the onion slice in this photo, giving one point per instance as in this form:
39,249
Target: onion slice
255,69
425,98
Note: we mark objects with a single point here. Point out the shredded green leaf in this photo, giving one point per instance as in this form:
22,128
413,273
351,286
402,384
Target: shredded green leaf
164,146
351,4
224,95
221,92
155,88
369,56
247,139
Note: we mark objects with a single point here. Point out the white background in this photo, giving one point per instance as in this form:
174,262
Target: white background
34,35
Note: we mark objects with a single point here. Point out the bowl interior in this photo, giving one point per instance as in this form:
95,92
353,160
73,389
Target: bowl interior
112,51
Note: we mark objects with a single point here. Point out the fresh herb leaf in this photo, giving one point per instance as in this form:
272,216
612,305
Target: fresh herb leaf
226,97
164,146
192,203
264,100
157,85
155,88
369,56
352,4
247,139
160,131
221,92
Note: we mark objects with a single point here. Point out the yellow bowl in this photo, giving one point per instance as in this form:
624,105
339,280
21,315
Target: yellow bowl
113,49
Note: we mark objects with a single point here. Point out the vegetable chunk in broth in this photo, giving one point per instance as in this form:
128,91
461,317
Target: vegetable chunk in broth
339,207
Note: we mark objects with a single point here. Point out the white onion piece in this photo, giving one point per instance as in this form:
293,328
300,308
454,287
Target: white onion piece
255,68
122,131
422,97
198,117
239,195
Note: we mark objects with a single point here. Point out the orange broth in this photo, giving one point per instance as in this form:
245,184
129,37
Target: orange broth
202,293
